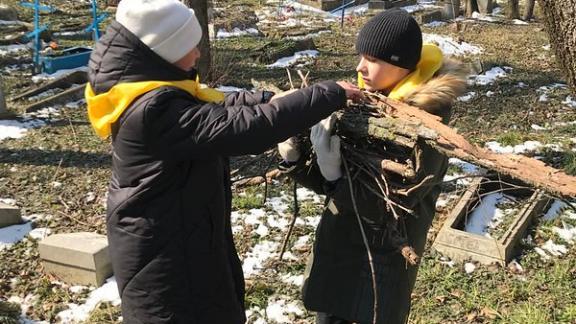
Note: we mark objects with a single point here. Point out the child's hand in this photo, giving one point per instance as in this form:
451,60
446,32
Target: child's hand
352,92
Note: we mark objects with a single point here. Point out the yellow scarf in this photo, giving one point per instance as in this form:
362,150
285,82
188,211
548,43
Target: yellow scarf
105,109
430,62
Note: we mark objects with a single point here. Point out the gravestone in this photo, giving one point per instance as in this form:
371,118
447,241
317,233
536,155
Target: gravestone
387,4
428,16
8,13
76,258
453,241
450,9
9,215
485,6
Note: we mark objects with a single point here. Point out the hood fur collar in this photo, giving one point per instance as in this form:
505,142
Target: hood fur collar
437,95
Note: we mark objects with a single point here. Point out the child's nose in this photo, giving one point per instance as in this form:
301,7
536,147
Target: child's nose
361,66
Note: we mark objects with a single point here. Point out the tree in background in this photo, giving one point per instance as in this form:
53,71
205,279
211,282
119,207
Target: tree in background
560,20
201,9
513,9
529,10
471,6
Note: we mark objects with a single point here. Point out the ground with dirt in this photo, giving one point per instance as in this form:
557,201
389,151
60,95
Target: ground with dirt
55,168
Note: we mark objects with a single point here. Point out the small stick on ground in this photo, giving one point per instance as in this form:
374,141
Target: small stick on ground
292,222
290,78
304,78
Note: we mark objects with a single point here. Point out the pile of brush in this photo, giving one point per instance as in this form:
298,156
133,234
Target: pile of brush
379,157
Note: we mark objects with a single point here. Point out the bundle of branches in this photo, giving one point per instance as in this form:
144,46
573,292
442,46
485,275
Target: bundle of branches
378,140
392,121
381,161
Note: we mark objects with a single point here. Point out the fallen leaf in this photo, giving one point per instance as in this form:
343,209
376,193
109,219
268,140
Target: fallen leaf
489,313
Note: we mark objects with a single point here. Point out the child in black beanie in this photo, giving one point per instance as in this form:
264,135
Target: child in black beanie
338,282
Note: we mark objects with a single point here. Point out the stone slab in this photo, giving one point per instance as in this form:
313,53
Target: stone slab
9,215
78,276
428,16
379,4
77,258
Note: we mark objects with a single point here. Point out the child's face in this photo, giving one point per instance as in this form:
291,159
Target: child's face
379,75
189,61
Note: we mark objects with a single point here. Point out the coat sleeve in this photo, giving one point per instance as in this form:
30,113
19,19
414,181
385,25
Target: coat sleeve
246,98
188,130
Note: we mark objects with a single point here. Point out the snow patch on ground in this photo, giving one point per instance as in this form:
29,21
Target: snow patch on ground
11,235
359,10
555,210
12,50
279,311
49,77
469,267
451,47
421,5
570,102
296,280
487,215
526,147
519,22
434,24
79,313
237,32
39,233
254,260
466,169
482,17
18,128
467,97
488,77
298,58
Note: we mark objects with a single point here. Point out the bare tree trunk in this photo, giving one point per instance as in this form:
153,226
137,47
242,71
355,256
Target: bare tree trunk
201,10
529,10
513,9
560,20
471,6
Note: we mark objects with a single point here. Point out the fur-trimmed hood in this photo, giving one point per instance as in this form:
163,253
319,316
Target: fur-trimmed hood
437,95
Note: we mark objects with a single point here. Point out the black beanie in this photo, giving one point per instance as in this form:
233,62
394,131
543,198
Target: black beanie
392,36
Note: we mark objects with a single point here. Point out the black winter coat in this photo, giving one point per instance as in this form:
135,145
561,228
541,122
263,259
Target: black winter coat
338,280
169,201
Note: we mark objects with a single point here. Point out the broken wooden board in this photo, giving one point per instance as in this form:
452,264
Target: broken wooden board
65,81
454,242
73,94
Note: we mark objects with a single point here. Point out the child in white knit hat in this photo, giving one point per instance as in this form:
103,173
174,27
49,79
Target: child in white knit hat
168,210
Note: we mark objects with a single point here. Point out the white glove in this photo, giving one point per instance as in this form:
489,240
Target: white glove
327,148
288,150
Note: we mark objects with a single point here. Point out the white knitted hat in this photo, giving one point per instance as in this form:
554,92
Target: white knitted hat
168,27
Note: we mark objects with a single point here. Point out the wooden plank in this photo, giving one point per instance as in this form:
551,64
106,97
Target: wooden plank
65,81
72,94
